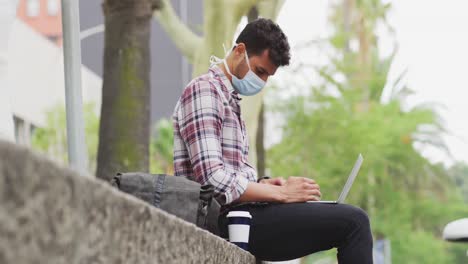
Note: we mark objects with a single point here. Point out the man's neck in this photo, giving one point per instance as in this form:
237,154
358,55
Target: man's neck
223,68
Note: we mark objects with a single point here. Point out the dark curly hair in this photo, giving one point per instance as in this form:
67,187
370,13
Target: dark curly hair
262,34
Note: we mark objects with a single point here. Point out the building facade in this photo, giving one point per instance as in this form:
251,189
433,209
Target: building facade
170,71
44,16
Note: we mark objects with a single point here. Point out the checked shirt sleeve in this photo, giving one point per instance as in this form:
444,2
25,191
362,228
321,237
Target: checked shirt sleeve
200,121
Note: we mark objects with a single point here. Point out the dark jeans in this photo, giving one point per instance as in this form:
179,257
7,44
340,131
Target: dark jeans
287,231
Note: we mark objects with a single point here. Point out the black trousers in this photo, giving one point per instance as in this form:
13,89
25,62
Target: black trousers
281,232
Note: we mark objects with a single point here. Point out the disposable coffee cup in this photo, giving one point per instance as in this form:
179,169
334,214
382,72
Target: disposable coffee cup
239,228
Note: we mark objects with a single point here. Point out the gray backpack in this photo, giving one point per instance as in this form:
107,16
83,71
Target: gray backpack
176,195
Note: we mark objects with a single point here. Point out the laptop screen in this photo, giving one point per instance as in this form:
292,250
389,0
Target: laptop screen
351,178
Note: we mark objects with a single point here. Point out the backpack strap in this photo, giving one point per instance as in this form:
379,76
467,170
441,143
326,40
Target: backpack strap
159,186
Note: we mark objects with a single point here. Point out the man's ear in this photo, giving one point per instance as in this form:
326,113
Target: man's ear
238,54
240,48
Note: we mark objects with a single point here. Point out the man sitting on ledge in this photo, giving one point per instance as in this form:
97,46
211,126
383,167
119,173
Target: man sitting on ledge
211,147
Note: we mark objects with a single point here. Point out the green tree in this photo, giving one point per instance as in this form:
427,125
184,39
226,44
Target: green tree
459,174
405,195
52,139
162,147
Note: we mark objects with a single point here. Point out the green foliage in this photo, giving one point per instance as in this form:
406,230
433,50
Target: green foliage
409,200
52,139
459,174
161,149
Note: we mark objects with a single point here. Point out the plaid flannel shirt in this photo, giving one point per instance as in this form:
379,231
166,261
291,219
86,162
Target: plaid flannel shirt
210,139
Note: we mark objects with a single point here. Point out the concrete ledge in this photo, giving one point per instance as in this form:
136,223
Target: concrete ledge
50,214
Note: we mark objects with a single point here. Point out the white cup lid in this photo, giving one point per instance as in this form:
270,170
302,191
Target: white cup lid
239,214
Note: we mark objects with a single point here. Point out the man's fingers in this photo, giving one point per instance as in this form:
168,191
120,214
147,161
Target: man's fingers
315,192
313,198
310,186
300,178
311,181
318,193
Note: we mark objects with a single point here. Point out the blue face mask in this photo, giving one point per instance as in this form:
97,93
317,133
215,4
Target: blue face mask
251,84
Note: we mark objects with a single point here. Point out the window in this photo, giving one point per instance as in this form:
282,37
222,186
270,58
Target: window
33,7
53,7
23,131
19,130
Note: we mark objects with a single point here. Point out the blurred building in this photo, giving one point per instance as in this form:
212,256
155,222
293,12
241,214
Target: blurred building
36,60
44,16
36,79
7,16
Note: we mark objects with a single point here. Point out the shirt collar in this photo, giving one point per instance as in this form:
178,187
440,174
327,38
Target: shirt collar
218,73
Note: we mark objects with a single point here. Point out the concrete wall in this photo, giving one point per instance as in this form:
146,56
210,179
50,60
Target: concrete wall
50,214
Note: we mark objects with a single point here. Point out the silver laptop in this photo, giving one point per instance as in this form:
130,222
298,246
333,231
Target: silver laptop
349,182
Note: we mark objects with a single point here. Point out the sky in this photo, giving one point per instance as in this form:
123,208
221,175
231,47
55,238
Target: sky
432,39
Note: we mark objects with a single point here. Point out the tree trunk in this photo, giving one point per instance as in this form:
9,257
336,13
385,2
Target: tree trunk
347,22
260,135
260,147
251,105
125,111
253,14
